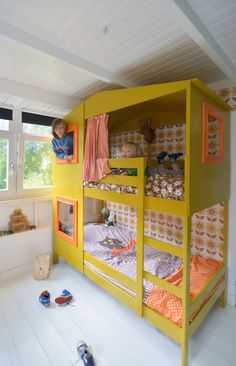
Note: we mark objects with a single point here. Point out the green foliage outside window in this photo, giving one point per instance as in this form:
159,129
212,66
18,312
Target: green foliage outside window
37,164
3,163
37,130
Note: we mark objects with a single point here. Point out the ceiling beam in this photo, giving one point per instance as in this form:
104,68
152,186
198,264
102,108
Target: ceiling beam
194,27
39,44
17,89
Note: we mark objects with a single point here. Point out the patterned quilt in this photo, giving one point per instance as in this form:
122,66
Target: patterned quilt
156,262
157,185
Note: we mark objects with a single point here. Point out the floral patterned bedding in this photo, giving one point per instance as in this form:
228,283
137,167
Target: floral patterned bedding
157,185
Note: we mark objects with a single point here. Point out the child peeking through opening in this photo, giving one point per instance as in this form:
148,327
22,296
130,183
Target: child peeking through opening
62,142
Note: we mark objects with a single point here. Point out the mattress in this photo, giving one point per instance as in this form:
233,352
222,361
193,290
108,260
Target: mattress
201,271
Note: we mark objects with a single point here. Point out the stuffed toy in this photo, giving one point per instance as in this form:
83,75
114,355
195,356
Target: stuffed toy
104,215
111,218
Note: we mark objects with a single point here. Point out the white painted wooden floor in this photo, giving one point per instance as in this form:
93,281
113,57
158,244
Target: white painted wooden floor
31,335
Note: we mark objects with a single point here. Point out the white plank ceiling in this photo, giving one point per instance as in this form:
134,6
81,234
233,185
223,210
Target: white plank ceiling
55,53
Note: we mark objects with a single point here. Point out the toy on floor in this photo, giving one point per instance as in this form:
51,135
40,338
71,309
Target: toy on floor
85,354
42,266
64,298
44,298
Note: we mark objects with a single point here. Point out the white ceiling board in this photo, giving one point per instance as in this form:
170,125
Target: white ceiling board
73,49
220,18
38,69
200,33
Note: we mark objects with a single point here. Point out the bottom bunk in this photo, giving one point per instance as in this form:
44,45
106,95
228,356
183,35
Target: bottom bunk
108,247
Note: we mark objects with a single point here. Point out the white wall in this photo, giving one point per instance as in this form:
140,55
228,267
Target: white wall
18,251
232,216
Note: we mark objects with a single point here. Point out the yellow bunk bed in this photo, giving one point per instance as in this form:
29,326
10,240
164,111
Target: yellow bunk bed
206,182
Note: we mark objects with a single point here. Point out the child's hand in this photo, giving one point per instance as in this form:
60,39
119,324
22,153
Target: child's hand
69,158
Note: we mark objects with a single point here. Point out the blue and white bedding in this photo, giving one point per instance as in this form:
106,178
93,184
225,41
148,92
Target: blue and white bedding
156,262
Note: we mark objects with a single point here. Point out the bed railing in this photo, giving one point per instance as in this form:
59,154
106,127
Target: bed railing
135,181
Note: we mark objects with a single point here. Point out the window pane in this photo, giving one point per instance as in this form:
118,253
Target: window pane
3,164
37,130
4,124
37,165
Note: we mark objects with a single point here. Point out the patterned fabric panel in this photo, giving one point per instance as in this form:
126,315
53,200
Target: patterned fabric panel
208,232
168,228
169,138
228,95
207,237
213,137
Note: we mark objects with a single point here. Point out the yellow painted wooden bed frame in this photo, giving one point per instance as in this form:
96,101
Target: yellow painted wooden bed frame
205,185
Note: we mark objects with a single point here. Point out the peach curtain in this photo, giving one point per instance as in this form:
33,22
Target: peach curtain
96,149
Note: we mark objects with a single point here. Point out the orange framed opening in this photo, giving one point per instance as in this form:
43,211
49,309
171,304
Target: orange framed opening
212,135
73,129
66,219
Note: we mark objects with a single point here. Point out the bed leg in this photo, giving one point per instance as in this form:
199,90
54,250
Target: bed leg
184,353
55,258
223,300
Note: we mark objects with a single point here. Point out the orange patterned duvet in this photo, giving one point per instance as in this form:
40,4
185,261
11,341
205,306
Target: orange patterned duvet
201,270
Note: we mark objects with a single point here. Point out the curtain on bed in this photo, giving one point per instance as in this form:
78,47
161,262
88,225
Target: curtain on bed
96,149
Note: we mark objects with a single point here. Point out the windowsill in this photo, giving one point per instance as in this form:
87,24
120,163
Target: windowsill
26,232
27,198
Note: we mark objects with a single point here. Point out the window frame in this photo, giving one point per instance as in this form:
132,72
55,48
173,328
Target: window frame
11,163
20,186
16,140
207,112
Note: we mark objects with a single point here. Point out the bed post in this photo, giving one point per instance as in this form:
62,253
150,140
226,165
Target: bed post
140,236
224,293
186,289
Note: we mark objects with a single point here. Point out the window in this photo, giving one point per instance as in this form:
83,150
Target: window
66,219
73,130
4,125
212,135
4,149
37,164
25,154
37,130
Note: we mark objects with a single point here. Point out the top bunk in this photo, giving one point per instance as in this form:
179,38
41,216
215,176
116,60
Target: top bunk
132,190
204,142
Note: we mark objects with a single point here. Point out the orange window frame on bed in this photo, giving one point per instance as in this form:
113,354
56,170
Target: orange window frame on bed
71,239
74,129
207,113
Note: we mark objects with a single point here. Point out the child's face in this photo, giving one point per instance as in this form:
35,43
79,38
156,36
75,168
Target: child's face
127,151
60,130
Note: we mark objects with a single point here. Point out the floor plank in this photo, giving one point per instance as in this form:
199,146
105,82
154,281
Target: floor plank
33,335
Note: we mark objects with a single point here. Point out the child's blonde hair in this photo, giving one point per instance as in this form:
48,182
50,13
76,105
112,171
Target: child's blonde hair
136,151
55,123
